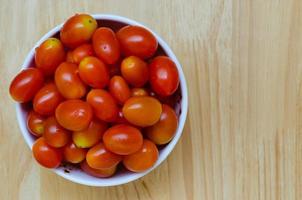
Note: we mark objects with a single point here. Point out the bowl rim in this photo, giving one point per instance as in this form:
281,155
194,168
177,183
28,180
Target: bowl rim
165,151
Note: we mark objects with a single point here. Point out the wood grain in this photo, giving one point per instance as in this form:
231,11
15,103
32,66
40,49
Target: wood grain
243,63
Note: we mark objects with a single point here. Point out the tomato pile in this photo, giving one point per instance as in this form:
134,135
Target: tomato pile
99,97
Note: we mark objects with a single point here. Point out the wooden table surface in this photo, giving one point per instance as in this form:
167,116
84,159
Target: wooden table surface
243,64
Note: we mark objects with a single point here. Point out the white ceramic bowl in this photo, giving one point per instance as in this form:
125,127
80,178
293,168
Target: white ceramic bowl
78,176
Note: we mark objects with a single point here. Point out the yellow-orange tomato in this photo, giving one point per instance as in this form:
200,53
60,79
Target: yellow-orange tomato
77,30
68,82
81,52
135,71
143,159
119,89
35,123
142,111
73,154
163,131
100,173
90,136
49,55
54,134
139,92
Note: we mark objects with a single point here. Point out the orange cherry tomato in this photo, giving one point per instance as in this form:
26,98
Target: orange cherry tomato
142,111
137,41
74,115
73,154
81,52
135,71
143,159
100,173
90,136
77,30
94,72
47,99
139,92
54,134
98,157
164,130
69,57
106,45
123,139
49,55
119,89
68,82
163,76
46,155
103,104
35,123
26,84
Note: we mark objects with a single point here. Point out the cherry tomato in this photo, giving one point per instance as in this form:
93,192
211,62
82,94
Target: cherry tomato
69,57
139,92
46,155
98,157
26,84
47,99
49,55
103,104
119,89
120,118
90,136
142,111
35,123
54,134
100,173
143,159
68,82
94,72
81,52
74,115
114,70
73,154
123,139
163,76
137,41
78,30
135,71
105,45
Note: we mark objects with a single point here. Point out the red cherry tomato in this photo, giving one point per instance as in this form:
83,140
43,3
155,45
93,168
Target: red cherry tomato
81,52
68,82
119,89
100,173
47,99
103,104
105,45
137,41
114,70
46,155
78,30
73,154
139,92
142,111
94,72
54,134
163,76
49,55
123,139
120,118
26,84
98,157
69,57
135,71
143,159
35,123
74,115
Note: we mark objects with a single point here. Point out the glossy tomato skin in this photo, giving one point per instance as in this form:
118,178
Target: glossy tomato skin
137,41
163,76
68,82
106,45
135,71
119,89
55,135
47,99
120,118
99,173
49,55
35,123
73,154
91,135
94,72
104,105
139,92
123,139
82,51
142,111
143,159
98,157
46,155
74,115
26,84
78,30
